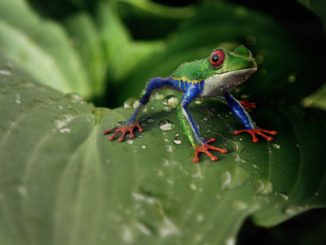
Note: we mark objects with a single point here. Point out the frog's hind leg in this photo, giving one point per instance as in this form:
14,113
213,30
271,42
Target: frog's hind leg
191,128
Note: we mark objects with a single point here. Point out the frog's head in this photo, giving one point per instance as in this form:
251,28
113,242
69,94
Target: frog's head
224,70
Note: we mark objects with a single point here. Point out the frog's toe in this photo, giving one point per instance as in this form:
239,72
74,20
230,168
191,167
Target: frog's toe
206,148
123,130
264,133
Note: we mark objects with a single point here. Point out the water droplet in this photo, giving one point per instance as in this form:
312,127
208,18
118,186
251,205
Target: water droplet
18,99
263,187
158,96
127,235
230,241
193,187
75,98
143,147
276,146
150,120
226,180
198,102
167,109
284,196
171,101
170,182
238,159
292,77
177,139
22,190
169,148
239,205
5,72
255,166
166,125
293,210
64,130
199,218
143,229
168,228
130,142
130,103
62,122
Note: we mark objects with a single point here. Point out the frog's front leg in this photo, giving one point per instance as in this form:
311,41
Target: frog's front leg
250,126
191,128
132,124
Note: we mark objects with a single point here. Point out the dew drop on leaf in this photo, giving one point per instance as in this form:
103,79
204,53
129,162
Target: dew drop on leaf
292,77
263,187
18,99
75,98
230,241
131,103
226,179
166,125
276,146
170,101
177,139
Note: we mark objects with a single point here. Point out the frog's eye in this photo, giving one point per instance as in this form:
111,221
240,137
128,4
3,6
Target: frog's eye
217,58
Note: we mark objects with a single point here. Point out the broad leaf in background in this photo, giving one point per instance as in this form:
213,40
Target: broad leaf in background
122,53
87,40
317,99
41,48
63,182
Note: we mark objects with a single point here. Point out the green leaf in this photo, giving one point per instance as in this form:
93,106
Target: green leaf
318,7
317,99
63,182
87,40
123,54
161,10
40,47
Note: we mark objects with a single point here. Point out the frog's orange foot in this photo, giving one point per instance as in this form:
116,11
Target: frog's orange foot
205,148
257,131
123,130
247,105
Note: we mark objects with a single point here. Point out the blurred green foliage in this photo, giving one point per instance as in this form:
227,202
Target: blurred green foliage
106,51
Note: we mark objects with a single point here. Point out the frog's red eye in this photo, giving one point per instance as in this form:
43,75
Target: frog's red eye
217,58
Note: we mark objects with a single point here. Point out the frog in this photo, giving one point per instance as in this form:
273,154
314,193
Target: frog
213,76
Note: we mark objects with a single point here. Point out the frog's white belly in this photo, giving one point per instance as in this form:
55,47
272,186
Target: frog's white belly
218,84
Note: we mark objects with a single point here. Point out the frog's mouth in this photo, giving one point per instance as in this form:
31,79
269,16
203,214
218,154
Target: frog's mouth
220,83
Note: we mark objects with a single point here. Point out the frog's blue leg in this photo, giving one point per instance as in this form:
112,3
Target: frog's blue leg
187,122
250,126
153,84
239,112
191,128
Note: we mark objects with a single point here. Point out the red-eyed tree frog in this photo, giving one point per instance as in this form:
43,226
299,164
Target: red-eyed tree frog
216,75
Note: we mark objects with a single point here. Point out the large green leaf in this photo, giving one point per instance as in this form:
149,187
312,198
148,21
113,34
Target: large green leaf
87,40
317,99
63,182
40,47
